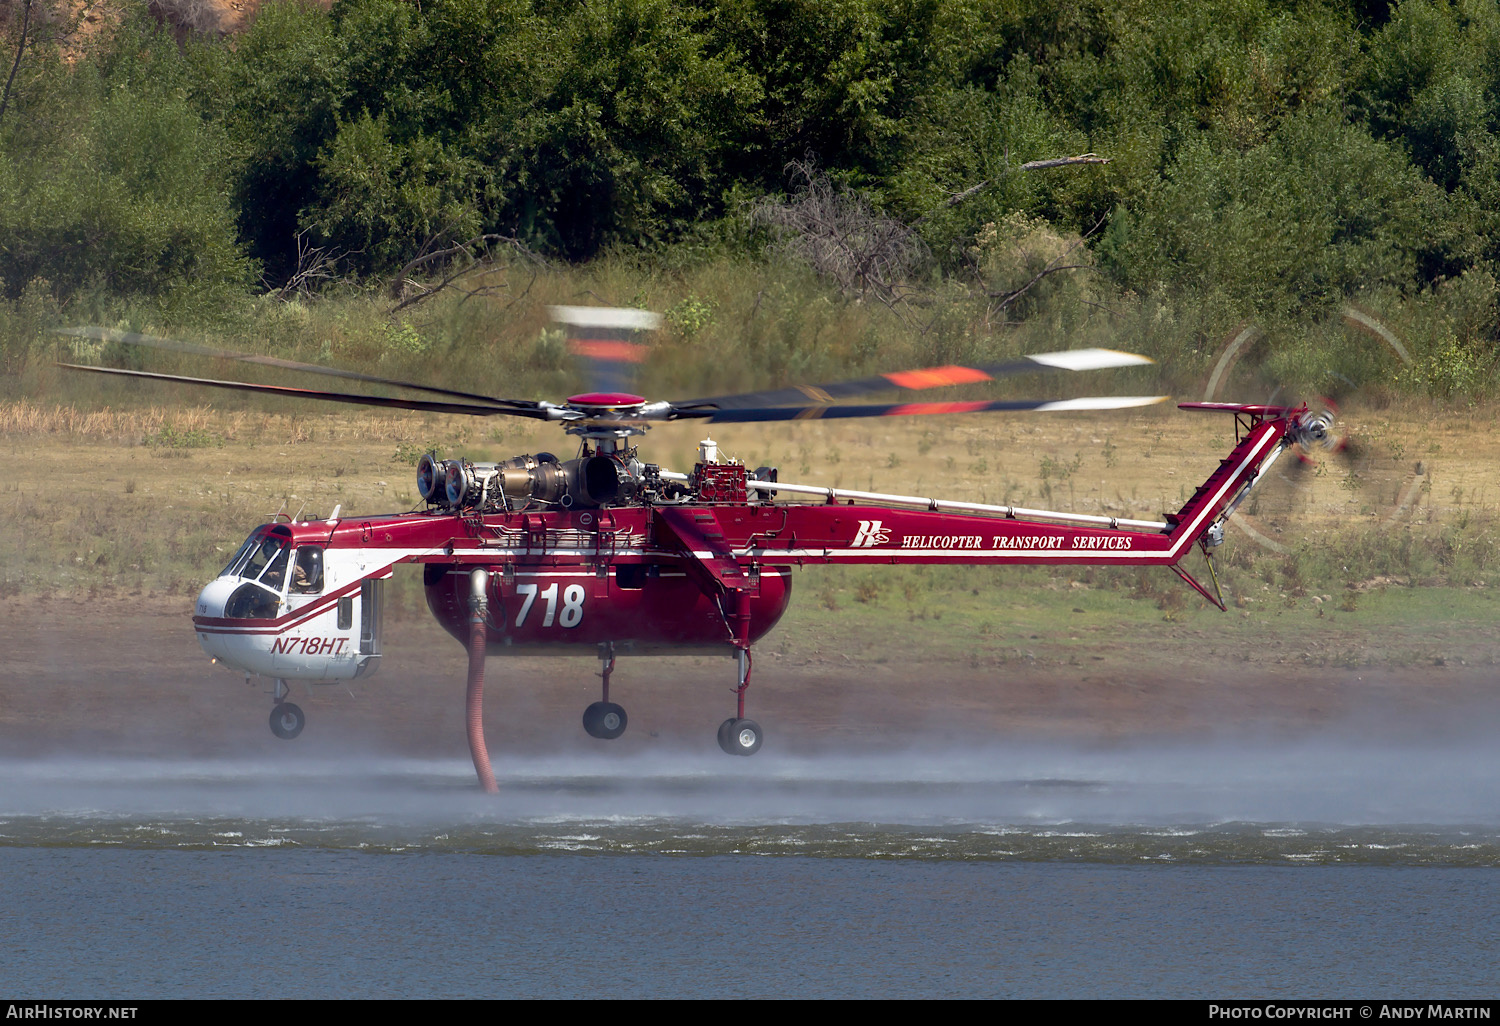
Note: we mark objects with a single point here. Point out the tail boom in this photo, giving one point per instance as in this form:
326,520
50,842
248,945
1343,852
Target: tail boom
875,534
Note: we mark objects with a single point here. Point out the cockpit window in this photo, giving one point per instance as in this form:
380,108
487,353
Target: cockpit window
307,571
262,561
274,575
252,602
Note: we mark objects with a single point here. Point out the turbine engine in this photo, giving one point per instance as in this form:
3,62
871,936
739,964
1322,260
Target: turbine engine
600,479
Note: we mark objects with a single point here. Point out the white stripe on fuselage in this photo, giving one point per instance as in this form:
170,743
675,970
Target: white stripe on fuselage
1188,535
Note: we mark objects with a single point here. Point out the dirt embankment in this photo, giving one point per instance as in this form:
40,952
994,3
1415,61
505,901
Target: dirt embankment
75,23
127,677
210,17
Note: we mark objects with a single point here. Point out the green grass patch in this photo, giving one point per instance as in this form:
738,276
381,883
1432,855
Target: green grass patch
170,438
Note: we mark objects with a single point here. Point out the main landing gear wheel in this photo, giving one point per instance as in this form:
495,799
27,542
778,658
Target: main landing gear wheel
287,721
740,737
604,720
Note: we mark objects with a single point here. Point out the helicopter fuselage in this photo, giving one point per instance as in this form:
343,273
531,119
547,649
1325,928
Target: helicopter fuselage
606,552
706,570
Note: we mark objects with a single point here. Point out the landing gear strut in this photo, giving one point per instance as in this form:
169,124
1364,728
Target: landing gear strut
287,720
604,719
737,735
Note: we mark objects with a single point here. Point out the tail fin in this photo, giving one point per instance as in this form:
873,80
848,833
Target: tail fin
1263,432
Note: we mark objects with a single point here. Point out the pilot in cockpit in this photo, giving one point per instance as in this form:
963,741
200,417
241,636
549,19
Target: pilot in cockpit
275,573
307,572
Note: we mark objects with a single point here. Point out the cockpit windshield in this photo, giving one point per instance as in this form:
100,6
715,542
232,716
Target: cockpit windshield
274,575
239,555
262,563
262,558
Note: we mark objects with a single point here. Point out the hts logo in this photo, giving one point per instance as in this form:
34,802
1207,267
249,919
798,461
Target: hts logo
870,534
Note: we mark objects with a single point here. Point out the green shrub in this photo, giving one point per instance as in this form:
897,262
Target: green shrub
111,186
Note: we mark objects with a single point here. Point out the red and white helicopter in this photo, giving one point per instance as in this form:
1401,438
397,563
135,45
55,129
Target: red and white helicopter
611,554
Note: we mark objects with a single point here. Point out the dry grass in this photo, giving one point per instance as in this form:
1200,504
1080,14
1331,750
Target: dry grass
152,499
29,418
132,426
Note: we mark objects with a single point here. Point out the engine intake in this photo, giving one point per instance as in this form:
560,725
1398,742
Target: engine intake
606,480
431,472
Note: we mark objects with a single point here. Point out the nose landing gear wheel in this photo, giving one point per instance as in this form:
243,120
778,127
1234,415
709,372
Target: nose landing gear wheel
604,720
740,737
287,721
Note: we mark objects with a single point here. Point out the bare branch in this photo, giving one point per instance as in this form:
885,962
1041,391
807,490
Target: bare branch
476,257
16,65
836,233
466,248
959,197
1082,158
1052,267
1011,297
1030,165
1100,306
316,266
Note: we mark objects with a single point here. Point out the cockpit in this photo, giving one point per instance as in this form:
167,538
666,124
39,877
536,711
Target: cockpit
287,606
261,563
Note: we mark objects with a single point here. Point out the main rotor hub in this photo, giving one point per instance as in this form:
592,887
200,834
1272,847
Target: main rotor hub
594,403
606,435
607,416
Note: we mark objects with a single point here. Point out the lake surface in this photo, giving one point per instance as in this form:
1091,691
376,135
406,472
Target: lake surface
1323,869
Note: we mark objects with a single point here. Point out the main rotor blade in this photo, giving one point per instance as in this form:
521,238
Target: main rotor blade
825,411
173,345
929,377
427,405
604,340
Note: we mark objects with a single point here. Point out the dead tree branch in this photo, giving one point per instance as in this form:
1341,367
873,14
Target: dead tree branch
16,64
1082,158
316,266
1015,294
1030,165
461,265
1052,267
842,238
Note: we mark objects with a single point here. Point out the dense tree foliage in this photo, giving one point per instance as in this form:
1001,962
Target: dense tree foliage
1278,157
113,184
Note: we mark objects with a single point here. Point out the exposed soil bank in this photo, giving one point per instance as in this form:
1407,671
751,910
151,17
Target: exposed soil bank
122,677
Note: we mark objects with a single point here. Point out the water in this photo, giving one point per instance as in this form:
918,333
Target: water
1319,869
